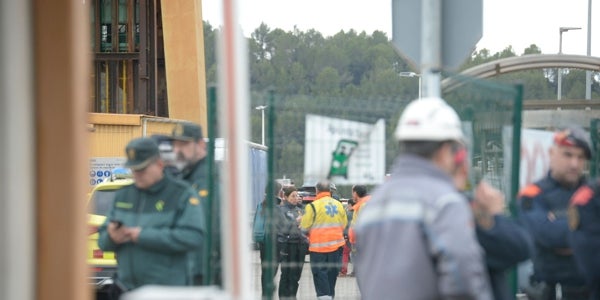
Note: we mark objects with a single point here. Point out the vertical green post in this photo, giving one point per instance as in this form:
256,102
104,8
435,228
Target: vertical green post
516,166
516,149
270,201
211,125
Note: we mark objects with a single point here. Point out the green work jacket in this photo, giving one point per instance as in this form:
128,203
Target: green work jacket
171,218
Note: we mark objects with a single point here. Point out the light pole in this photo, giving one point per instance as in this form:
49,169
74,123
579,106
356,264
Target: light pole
262,110
412,74
588,73
560,32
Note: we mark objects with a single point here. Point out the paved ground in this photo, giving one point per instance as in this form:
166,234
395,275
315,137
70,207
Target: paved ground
346,287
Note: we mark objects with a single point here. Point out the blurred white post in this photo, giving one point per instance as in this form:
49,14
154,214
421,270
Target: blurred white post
233,112
262,116
560,32
18,153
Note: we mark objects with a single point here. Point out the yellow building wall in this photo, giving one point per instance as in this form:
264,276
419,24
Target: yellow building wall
183,37
110,133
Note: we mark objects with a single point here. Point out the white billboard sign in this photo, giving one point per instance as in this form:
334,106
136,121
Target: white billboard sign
346,152
535,160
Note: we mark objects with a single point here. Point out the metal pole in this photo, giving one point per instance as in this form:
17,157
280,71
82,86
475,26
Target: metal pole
588,73
431,49
560,32
420,87
559,83
262,109
412,74
234,92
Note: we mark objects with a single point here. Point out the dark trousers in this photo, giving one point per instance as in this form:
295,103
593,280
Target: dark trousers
547,291
268,264
569,292
291,257
325,268
198,280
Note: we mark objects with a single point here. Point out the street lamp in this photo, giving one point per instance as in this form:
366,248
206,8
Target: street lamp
262,110
412,74
588,73
560,32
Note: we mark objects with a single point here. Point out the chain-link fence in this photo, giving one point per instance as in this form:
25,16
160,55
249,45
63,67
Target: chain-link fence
492,117
349,141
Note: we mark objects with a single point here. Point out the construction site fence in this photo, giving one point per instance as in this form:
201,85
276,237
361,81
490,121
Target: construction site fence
350,141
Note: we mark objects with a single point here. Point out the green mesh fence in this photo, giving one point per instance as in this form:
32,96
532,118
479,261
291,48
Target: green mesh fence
350,141
491,115
315,138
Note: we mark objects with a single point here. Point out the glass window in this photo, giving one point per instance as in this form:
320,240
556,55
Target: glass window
102,201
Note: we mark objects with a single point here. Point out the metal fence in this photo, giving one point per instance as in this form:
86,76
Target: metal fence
492,117
349,141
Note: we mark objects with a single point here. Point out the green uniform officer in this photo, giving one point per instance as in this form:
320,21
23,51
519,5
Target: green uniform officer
154,224
190,149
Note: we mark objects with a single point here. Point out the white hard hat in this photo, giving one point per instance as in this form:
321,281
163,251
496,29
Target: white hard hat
429,119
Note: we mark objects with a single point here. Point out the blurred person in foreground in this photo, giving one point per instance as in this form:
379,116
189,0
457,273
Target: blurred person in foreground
292,243
543,211
154,223
584,222
505,242
190,153
324,221
415,238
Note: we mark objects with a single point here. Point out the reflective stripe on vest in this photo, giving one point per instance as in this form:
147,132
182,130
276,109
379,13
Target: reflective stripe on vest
326,239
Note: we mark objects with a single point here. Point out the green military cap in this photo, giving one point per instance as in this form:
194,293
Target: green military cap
140,153
187,132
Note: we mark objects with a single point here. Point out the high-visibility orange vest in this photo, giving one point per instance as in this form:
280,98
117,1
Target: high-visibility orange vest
325,220
356,207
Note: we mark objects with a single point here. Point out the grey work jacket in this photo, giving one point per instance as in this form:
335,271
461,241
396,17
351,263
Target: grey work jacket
416,239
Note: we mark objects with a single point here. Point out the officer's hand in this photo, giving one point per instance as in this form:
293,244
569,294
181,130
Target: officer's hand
489,199
134,233
118,234
487,202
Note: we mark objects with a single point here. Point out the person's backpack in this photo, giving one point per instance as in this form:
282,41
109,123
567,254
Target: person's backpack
258,225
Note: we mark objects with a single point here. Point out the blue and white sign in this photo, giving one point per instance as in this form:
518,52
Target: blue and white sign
101,168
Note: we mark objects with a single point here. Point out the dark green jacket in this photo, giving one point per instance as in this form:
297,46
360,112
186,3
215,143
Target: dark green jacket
171,218
197,176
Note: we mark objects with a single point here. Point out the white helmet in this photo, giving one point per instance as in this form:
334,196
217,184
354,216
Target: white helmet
429,119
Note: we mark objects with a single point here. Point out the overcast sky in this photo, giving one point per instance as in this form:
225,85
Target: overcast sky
518,23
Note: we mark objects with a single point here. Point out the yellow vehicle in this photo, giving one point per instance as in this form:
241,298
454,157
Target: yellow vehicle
103,264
